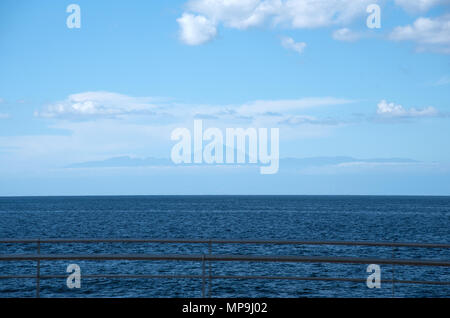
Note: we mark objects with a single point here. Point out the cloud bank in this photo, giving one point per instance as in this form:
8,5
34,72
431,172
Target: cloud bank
202,17
108,105
98,104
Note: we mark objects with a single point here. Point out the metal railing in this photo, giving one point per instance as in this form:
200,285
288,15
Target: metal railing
208,258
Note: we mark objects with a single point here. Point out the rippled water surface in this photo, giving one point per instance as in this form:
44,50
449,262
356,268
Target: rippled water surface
342,218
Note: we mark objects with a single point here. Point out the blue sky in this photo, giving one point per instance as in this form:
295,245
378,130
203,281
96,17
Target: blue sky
118,86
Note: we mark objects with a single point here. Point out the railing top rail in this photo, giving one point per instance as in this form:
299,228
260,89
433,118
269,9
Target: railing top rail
224,241
221,258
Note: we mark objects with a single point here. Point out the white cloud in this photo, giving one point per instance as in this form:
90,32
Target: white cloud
2,100
239,14
103,104
3,116
347,35
242,14
392,110
290,44
419,5
312,14
196,29
429,34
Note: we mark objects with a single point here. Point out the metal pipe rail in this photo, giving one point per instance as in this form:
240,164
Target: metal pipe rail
209,258
226,241
221,258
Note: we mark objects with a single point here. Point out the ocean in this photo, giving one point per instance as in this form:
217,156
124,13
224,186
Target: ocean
311,218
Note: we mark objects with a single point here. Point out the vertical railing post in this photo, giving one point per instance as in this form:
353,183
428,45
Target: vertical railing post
209,276
203,276
393,272
38,270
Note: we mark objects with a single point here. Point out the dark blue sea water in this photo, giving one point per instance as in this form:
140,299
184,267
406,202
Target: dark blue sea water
343,218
